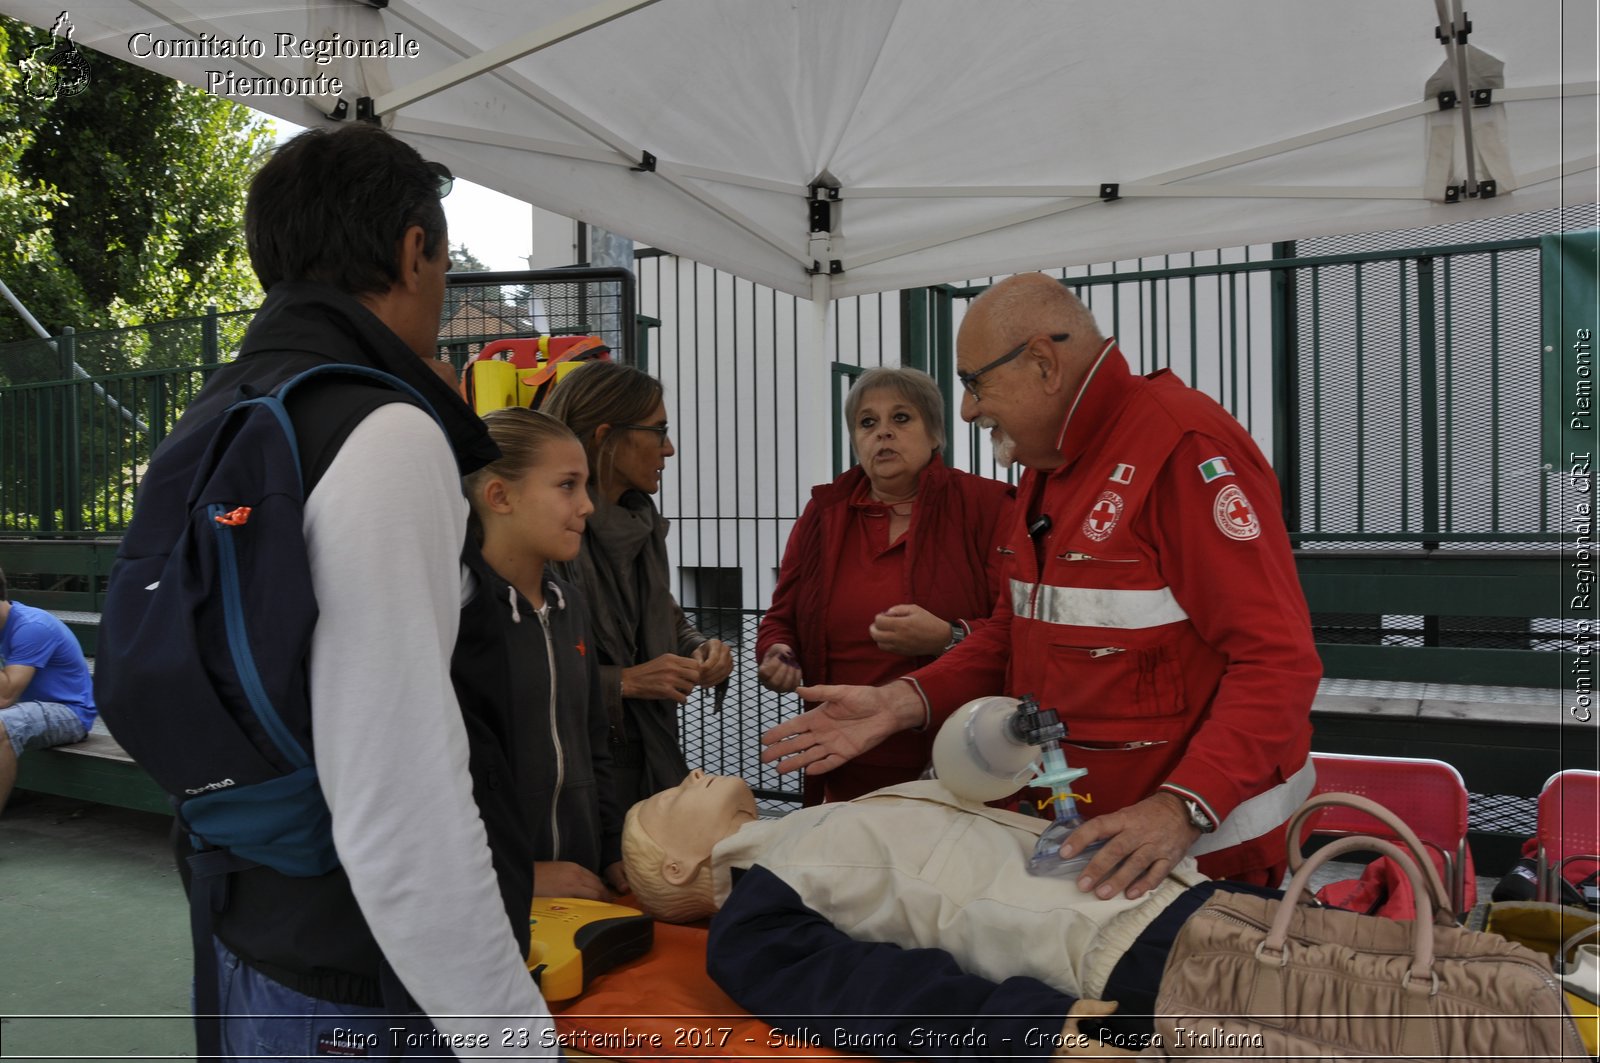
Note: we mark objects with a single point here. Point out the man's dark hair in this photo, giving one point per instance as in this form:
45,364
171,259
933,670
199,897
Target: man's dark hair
332,206
3,596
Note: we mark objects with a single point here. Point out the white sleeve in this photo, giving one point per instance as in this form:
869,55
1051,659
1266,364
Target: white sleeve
384,529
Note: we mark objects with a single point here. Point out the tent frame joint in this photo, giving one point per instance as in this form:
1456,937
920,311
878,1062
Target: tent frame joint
1482,190
1110,191
647,163
1457,35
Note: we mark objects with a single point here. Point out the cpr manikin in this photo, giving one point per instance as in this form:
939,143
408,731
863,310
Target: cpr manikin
910,865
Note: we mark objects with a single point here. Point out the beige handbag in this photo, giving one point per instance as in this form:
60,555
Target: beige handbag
1255,978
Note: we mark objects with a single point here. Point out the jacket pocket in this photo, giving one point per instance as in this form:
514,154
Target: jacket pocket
1106,683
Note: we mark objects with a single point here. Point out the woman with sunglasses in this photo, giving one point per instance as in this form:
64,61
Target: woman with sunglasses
651,658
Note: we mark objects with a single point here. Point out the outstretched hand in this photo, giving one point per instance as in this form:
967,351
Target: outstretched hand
847,722
1143,842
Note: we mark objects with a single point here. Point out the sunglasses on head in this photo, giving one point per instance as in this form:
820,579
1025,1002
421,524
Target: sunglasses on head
446,179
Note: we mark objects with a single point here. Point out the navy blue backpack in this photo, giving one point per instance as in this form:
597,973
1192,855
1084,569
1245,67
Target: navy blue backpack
204,637
201,673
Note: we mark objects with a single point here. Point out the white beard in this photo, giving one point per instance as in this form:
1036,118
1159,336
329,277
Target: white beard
1005,448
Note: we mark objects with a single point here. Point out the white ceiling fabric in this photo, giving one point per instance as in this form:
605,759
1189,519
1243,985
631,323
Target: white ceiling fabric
967,138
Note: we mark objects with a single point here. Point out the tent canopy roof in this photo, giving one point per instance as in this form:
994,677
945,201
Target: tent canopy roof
950,138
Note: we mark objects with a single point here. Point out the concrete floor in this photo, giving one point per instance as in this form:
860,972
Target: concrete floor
94,943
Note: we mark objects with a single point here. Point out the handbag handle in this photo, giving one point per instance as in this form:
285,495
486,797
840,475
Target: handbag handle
1419,855
1421,925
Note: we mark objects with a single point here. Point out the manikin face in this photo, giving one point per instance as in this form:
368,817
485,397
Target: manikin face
550,505
688,820
891,439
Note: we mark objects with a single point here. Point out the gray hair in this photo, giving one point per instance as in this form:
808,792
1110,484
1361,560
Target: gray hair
912,386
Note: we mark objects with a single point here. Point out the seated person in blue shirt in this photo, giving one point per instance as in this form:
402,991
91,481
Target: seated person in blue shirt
46,696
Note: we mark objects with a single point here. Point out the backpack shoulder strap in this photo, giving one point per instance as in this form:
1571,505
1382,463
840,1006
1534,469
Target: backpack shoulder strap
326,403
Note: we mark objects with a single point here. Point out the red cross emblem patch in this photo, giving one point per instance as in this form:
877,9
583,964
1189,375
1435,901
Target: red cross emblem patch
1103,516
1235,515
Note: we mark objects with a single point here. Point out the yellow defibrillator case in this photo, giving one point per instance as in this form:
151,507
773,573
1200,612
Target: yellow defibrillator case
573,939
521,372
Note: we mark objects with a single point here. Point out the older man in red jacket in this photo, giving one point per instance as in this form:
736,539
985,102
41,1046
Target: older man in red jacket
1151,599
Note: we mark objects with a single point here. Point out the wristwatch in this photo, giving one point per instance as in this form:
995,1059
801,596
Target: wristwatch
1198,818
957,633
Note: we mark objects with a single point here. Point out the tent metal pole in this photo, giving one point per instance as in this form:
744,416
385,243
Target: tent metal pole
510,52
1452,33
814,373
77,370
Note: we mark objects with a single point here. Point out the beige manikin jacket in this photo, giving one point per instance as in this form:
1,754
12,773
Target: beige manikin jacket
915,866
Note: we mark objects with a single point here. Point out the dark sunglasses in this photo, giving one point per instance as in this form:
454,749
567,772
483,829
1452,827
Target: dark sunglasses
446,179
970,380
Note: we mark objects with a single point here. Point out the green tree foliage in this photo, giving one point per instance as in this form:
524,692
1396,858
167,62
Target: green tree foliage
26,244
128,200
464,261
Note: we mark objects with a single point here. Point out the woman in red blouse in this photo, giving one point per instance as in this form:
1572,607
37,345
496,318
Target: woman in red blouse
890,565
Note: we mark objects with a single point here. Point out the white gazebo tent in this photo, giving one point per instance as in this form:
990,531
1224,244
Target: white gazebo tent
836,147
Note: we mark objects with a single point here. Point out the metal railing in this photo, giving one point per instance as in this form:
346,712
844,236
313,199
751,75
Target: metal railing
1394,390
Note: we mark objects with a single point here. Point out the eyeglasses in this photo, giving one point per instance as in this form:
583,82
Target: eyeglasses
446,179
659,429
970,380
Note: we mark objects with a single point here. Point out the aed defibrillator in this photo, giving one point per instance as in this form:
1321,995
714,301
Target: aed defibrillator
572,940
521,372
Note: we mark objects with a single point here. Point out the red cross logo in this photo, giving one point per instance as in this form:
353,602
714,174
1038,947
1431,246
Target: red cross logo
1234,516
582,649
1103,516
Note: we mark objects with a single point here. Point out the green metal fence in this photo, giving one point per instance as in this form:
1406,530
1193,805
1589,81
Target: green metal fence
80,414
1395,389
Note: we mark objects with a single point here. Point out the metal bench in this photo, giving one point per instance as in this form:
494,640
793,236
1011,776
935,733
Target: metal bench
95,769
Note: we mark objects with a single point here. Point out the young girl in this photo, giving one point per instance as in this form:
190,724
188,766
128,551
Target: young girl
524,671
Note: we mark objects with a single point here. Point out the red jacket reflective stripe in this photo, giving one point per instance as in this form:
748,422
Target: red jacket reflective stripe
1160,614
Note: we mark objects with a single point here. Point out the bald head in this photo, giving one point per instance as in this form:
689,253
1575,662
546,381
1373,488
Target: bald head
1031,304
1024,347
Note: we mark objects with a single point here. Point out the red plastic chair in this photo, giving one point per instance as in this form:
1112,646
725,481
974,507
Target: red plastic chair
1428,794
1569,826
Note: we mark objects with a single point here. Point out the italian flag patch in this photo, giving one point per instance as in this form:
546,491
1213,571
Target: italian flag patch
1215,469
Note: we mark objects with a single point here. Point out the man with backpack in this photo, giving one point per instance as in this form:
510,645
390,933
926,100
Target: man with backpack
280,655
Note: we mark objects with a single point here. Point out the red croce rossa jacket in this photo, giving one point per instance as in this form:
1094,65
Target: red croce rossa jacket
1159,613
953,568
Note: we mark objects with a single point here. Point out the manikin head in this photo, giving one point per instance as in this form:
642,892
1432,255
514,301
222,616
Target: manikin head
667,841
